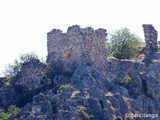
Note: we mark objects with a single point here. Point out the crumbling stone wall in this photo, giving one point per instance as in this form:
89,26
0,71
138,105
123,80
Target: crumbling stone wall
77,46
150,38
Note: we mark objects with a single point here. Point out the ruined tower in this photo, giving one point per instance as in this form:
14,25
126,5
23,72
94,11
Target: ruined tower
150,35
76,47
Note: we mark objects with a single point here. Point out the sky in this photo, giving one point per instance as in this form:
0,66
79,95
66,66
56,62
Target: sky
24,24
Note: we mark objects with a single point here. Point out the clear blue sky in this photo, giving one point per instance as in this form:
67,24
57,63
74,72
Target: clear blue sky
25,23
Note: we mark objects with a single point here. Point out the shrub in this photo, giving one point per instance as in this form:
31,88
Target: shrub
80,111
46,80
4,116
66,86
123,44
13,110
12,69
28,57
126,80
108,48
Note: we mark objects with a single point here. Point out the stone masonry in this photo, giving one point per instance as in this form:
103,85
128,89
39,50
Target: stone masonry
150,38
76,47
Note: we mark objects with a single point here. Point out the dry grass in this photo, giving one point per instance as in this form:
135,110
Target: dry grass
75,93
86,96
127,102
155,60
111,107
109,94
141,56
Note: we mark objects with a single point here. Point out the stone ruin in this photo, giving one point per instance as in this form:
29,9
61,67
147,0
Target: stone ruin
86,46
46,99
76,47
150,35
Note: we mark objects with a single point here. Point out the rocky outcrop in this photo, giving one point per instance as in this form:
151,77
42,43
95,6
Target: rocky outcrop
7,94
29,81
153,82
140,89
85,95
79,83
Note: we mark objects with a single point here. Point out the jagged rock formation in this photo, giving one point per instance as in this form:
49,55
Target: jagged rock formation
7,93
29,81
142,92
79,83
153,83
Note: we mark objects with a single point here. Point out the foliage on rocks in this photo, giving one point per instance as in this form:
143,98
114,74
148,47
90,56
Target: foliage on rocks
123,44
81,112
126,80
66,86
13,110
12,69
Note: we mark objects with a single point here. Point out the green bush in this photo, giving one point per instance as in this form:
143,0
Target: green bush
4,116
126,80
108,48
123,44
66,86
28,57
11,110
12,69
82,113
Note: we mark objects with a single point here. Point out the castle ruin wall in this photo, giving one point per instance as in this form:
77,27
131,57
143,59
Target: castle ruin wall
150,35
76,47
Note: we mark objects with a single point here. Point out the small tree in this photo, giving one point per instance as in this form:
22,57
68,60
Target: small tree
12,69
124,44
28,57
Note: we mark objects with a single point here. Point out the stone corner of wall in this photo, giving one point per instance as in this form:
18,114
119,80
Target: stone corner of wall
54,31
